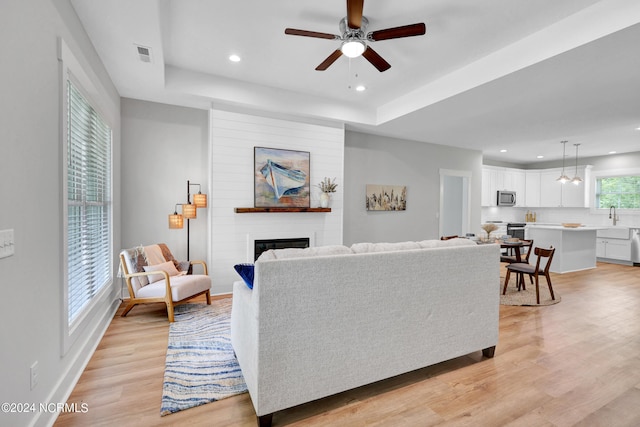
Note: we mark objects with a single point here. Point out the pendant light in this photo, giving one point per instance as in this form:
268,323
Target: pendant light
576,179
563,178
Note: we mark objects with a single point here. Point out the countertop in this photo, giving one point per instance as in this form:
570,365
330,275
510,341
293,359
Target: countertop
560,227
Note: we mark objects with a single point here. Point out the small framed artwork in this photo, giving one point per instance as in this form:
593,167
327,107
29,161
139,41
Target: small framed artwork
386,197
281,178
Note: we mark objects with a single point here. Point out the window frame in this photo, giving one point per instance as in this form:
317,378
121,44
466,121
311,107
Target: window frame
71,70
610,173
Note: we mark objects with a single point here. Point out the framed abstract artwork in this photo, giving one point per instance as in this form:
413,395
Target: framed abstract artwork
281,178
386,197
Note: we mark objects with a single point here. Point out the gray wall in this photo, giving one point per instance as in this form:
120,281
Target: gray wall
372,159
31,315
163,146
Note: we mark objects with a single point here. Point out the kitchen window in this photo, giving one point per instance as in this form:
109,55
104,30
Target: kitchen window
622,192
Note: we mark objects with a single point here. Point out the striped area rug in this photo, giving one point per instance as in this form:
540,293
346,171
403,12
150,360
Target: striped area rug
200,366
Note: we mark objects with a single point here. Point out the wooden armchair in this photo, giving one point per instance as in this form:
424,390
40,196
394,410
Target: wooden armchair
153,275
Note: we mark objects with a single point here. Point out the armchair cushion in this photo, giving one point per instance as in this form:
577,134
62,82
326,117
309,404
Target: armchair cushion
181,287
167,266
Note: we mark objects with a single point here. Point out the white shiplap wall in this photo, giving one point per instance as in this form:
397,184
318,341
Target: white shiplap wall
233,137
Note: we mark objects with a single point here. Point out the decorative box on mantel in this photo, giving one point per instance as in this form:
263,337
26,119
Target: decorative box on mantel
279,209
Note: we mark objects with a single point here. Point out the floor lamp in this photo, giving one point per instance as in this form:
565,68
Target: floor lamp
189,211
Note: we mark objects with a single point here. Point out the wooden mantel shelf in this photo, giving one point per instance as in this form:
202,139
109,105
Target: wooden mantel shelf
263,210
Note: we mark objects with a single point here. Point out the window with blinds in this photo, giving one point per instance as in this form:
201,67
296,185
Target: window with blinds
88,206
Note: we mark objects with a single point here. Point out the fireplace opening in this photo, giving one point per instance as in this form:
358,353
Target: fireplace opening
264,245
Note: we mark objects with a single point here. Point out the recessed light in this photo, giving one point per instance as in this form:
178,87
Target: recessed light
361,88
638,128
234,58
503,151
539,157
612,152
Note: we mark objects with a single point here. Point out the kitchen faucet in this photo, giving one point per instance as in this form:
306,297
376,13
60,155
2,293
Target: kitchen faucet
614,217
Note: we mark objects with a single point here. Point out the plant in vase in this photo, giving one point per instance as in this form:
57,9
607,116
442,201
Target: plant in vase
327,186
488,228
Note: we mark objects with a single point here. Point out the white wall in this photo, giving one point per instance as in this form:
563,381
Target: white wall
371,159
233,138
163,146
31,204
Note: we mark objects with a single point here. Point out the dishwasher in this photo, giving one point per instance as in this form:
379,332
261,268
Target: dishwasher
635,246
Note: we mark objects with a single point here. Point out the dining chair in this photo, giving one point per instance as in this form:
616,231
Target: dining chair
534,271
525,250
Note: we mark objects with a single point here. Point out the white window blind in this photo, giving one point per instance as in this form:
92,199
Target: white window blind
88,203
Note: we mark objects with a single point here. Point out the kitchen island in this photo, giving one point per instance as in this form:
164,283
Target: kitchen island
575,247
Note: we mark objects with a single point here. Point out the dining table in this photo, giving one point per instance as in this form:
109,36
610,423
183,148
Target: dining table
512,245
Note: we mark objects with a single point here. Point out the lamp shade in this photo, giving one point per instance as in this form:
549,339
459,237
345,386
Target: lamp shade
200,200
189,211
175,220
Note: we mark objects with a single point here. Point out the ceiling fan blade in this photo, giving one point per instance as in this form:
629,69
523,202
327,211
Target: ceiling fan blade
330,60
376,60
354,13
305,33
398,32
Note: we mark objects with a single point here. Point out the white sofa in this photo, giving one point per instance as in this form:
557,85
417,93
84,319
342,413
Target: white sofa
323,320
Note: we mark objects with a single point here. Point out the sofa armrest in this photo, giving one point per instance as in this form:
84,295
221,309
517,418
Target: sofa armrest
244,334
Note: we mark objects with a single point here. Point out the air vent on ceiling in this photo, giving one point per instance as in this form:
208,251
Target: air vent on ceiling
144,53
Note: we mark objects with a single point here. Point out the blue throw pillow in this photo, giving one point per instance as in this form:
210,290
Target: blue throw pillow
246,272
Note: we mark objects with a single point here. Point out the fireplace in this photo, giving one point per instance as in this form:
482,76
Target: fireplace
259,242
262,245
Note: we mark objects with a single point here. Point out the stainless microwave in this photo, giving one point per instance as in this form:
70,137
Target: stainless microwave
506,198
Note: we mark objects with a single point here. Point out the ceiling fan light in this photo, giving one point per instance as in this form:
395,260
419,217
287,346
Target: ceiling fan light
353,48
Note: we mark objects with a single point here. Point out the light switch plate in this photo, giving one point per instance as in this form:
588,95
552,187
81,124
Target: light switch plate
7,244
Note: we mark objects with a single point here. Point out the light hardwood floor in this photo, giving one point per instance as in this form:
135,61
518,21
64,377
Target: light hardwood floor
573,363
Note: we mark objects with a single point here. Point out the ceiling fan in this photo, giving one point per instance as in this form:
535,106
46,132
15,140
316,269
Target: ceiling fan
354,40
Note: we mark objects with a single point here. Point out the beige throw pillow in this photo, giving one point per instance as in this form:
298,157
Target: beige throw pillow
168,267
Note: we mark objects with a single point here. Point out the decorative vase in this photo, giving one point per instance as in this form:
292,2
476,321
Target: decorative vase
324,200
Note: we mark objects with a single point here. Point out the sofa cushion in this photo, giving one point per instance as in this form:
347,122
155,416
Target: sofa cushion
361,248
246,272
267,255
307,252
167,266
425,244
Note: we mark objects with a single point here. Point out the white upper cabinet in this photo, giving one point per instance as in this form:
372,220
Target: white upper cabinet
536,188
532,189
496,179
550,189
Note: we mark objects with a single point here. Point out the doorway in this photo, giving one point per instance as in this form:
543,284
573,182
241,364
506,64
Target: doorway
454,202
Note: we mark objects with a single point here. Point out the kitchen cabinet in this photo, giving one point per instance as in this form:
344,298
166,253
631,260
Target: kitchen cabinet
489,186
532,189
554,194
550,189
536,188
614,243
495,179
614,249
